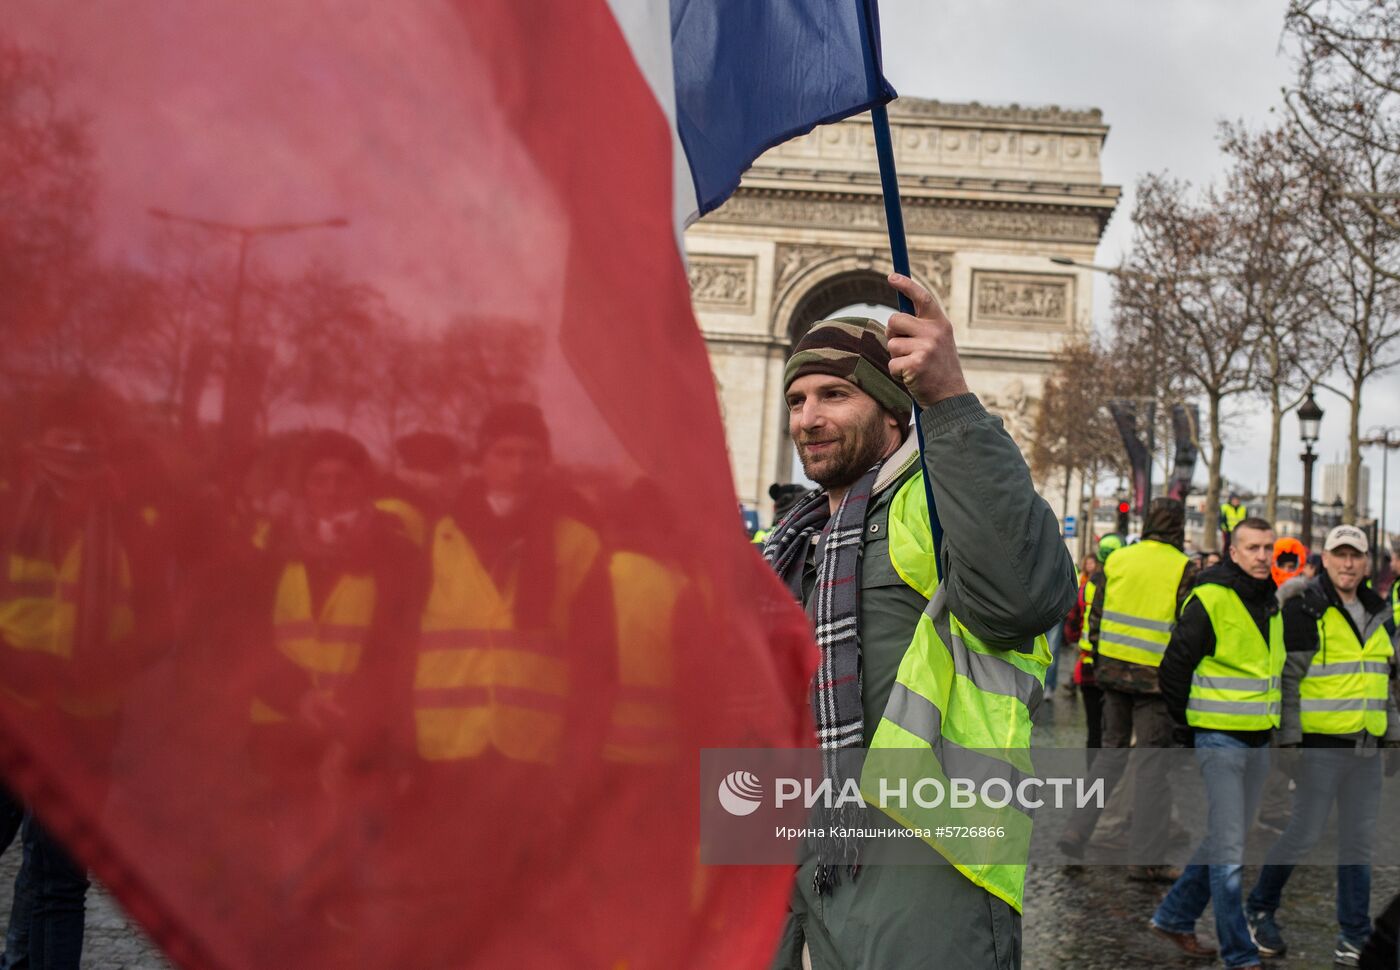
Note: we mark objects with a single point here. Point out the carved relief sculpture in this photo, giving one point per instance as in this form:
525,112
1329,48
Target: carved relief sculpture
722,282
1020,298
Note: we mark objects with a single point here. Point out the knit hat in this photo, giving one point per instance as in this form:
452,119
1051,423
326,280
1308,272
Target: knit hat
514,419
1108,545
328,443
855,349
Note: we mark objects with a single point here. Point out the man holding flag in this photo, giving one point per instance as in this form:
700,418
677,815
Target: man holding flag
888,612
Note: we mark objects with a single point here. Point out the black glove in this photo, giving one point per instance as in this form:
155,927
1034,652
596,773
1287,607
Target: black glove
1183,736
1313,601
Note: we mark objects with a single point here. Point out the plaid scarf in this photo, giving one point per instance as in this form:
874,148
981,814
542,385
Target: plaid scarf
834,609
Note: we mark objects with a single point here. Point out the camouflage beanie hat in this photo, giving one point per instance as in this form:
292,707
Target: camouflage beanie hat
852,348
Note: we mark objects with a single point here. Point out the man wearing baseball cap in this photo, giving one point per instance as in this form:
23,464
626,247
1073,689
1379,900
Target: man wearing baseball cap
895,623
1338,706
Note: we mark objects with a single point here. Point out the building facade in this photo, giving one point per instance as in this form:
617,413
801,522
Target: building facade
1334,487
989,195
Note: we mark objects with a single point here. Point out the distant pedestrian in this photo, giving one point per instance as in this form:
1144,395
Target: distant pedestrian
1130,624
1232,513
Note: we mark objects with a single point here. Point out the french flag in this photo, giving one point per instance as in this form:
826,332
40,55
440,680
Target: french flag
737,78
378,218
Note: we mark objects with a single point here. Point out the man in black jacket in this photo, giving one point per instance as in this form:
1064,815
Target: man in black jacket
1220,678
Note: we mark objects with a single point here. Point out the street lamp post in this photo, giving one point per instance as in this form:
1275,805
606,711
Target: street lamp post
1309,422
1382,437
245,234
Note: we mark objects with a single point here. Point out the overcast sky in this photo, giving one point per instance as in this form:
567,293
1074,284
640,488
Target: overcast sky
1165,73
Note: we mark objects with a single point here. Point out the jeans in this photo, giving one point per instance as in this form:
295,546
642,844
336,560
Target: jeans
16,955
1353,778
46,918
1234,776
1055,636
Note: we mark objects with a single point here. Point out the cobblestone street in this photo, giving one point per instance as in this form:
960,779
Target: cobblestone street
111,942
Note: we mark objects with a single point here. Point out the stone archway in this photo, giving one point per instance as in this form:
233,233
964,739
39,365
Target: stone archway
988,194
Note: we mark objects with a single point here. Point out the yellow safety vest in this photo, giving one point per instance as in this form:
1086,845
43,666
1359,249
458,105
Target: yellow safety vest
642,726
1139,605
1234,515
411,521
327,647
1240,686
39,614
1086,653
1345,688
1395,601
479,682
961,706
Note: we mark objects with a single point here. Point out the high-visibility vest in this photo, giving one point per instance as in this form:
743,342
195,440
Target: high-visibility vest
962,706
1234,515
326,647
479,682
1395,600
39,603
1345,687
761,536
1086,652
39,614
1240,686
1139,605
411,521
642,727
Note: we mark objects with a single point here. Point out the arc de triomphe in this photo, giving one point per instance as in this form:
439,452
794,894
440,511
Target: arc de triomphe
988,193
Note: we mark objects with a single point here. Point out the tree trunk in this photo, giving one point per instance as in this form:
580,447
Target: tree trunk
1275,443
1212,509
1351,498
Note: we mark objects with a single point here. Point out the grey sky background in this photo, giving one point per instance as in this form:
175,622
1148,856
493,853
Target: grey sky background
1165,73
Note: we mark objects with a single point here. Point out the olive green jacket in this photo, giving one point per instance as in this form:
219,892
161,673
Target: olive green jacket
1008,577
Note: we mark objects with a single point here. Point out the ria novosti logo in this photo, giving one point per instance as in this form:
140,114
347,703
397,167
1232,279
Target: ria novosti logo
740,793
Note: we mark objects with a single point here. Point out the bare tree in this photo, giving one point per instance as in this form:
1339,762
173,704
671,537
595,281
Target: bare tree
1267,200
1073,434
1179,311
1346,104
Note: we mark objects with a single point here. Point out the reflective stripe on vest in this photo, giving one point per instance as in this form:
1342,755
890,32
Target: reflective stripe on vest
1240,686
327,648
642,724
1345,688
1139,598
480,684
962,707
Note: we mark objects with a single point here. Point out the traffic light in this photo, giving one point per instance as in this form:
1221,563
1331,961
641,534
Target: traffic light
1123,508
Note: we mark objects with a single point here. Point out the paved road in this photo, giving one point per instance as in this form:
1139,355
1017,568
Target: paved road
1093,918
1087,919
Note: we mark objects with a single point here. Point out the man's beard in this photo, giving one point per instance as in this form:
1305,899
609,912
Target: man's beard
853,454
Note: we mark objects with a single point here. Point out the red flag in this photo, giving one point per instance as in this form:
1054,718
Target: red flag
346,618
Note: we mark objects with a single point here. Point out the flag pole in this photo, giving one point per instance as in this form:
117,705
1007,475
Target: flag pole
894,221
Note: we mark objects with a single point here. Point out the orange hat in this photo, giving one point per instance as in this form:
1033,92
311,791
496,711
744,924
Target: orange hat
1286,549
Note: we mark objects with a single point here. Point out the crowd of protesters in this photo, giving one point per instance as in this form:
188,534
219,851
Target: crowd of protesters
466,591
1270,646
